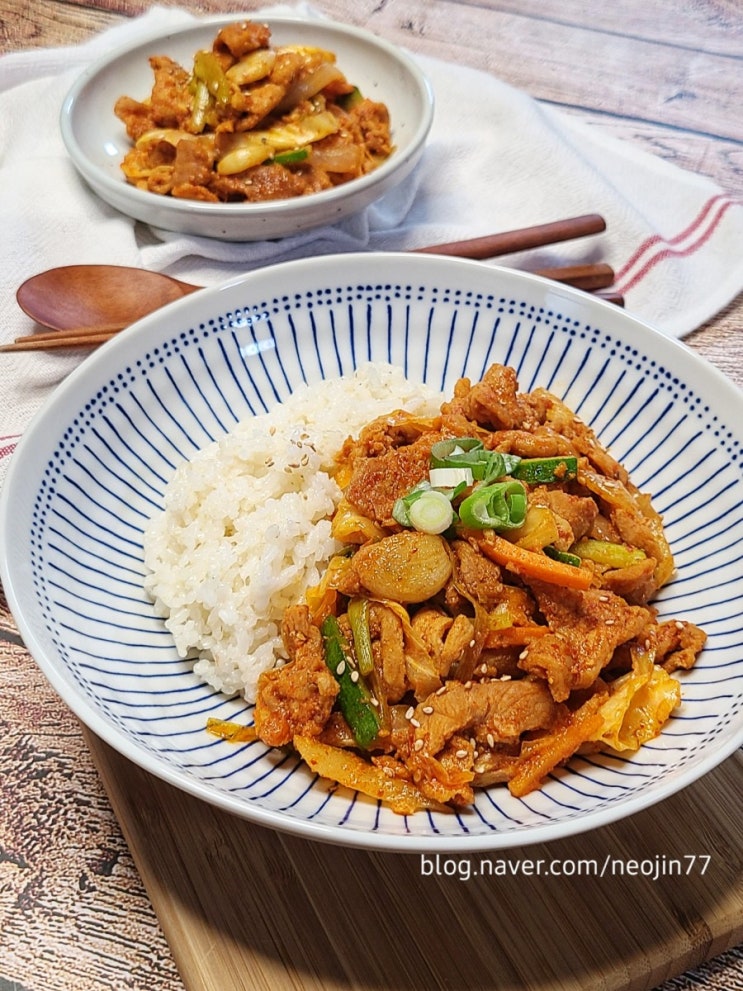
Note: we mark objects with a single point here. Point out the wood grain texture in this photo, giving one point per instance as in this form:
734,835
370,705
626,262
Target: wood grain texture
668,77
287,913
74,915
259,910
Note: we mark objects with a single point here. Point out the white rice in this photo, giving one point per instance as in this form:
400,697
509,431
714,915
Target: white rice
245,528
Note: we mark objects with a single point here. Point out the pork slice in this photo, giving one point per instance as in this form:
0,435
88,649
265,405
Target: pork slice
493,402
378,482
477,575
497,711
298,697
389,647
586,628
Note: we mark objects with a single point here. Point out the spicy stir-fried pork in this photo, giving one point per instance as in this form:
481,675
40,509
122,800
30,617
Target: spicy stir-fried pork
251,122
489,615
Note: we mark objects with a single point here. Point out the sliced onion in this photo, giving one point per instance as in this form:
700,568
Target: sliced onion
254,66
168,134
309,85
338,158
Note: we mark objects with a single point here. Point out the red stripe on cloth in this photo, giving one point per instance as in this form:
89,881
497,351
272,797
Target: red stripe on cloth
674,252
7,446
654,239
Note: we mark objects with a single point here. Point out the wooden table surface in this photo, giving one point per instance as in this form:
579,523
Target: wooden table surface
666,75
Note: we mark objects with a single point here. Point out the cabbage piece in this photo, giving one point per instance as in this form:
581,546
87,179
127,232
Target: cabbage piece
636,519
607,553
538,530
251,148
352,527
639,704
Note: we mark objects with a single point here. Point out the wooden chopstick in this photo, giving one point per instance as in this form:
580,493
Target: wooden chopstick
509,242
589,277
94,330
59,339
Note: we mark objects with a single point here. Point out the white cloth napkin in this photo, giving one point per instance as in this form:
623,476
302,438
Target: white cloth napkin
496,160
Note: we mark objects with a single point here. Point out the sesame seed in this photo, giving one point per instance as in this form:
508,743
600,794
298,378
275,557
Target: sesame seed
340,668
505,677
609,622
491,740
679,624
354,676
524,653
414,722
375,703
410,712
461,753
468,684
440,691
418,745
475,754
428,709
603,598
472,643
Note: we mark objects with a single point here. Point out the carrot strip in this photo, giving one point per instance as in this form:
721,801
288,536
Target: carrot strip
513,636
233,732
352,771
532,564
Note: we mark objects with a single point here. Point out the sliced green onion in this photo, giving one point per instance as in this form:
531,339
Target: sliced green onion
450,478
209,86
431,512
354,697
564,556
497,465
401,508
291,157
461,452
454,448
495,507
201,101
358,619
349,100
543,470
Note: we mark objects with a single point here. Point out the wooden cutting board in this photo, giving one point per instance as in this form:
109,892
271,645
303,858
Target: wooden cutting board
244,907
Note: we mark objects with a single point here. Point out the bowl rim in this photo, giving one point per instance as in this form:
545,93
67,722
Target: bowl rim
358,263
169,206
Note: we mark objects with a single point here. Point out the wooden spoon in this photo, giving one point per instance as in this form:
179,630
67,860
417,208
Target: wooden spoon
101,299
97,297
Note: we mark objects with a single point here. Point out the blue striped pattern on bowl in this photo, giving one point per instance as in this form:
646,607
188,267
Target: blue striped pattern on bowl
94,465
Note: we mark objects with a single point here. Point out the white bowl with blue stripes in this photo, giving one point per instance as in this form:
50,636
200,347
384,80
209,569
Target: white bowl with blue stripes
93,465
